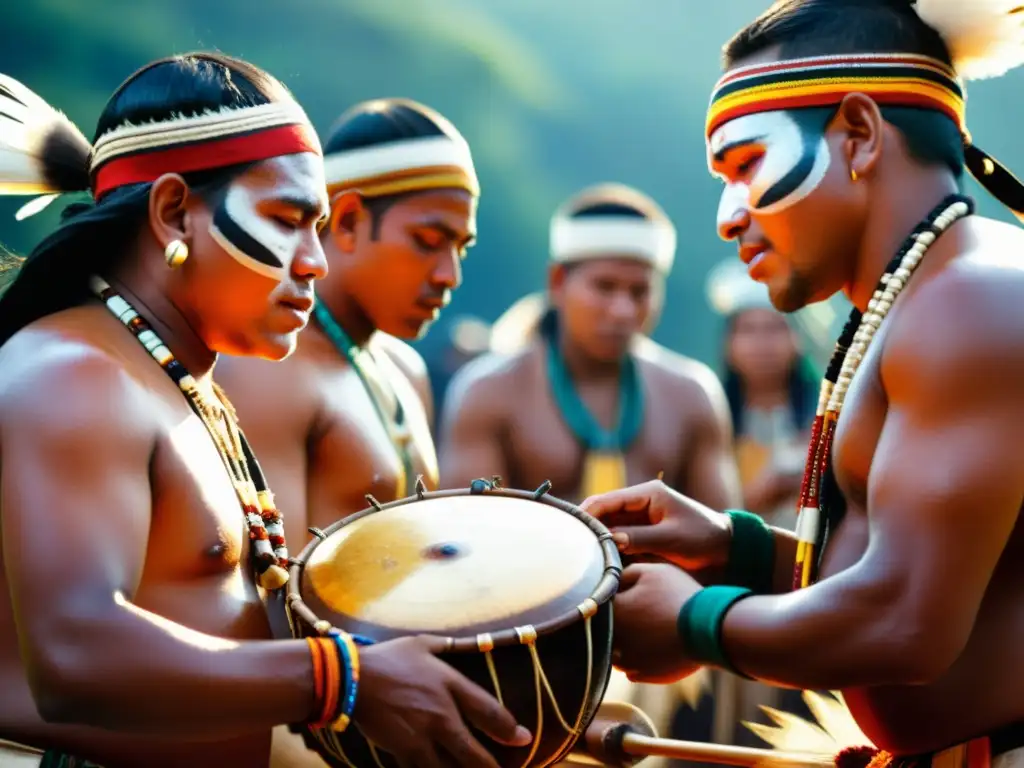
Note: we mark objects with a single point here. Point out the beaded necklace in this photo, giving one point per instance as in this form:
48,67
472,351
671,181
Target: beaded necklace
268,549
375,384
820,505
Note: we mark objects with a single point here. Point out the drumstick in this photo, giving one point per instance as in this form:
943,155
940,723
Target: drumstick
621,735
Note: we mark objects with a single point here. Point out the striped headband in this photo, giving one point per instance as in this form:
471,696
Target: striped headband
890,79
894,79
408,165
133,154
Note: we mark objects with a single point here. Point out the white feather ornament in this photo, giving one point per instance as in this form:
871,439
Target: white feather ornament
27,124
985,37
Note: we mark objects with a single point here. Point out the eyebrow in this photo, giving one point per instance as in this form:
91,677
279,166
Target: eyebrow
720,155
310,206
451,234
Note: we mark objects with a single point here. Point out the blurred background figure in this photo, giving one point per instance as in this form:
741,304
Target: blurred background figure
467,337
772,387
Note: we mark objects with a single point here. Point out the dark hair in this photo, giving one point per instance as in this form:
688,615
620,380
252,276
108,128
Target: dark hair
611,200
802,385
815,27
96,237
379,122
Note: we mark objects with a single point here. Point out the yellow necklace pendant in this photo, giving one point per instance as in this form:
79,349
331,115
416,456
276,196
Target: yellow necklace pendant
603,471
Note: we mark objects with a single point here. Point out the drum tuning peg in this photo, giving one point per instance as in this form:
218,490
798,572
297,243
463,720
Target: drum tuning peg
421,487
542,489
373,502
318,533
480,485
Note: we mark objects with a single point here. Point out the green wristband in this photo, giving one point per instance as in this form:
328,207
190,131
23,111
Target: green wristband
751,553
700,624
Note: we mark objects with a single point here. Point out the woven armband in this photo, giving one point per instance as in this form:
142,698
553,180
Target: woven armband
700,624
751,553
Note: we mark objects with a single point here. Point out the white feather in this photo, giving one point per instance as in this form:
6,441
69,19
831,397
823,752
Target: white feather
25,122
985,37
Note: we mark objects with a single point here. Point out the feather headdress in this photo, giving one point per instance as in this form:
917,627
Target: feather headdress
985,38
41,150
43,153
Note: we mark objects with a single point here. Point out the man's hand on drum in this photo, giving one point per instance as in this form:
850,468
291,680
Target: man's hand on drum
653,519
416,707
647,646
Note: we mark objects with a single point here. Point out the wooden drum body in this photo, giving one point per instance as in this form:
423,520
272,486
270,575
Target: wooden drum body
520,582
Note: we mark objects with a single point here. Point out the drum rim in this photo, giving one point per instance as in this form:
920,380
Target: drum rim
602,593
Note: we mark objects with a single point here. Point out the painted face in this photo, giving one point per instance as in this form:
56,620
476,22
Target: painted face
793,159
256,241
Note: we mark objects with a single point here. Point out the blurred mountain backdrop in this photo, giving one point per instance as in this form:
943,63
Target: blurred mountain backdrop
552,95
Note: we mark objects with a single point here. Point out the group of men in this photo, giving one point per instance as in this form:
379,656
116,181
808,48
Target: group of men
134,628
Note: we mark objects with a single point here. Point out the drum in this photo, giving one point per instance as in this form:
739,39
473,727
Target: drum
518,581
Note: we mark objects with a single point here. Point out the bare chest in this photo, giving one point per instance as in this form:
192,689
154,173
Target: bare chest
197,562
362,450
541,446
853,452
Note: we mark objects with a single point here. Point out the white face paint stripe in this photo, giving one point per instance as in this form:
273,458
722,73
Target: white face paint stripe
253,240
783,144
274,273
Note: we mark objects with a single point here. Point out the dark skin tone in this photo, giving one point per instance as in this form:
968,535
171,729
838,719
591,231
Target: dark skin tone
323,447
917,616
502,419
326,418
126,571
762,349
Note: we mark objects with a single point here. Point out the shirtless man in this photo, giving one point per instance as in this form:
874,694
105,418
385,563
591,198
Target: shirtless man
357,415
132,624
916,607
356,408
590,403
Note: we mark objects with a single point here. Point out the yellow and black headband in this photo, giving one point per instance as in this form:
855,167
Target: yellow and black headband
408,165
897,79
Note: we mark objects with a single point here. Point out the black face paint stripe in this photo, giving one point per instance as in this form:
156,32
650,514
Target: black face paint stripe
812,126
241,239
719,156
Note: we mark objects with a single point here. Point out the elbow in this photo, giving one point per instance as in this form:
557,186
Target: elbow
66,688
917,652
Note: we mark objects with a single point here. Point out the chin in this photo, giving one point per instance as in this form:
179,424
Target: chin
275,348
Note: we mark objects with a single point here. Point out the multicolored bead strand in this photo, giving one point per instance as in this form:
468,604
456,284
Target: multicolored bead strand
815,510
269,550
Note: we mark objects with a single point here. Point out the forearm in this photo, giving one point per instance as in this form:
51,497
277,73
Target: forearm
131,671
840,633
785,559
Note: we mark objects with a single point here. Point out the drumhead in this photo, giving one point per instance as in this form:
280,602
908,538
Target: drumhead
455,563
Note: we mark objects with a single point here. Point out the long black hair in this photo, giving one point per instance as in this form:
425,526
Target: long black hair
817,27
95,237
802,385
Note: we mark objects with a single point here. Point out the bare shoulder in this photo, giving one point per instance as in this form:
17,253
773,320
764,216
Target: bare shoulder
56,382
408,360
489,378
963,321
695,383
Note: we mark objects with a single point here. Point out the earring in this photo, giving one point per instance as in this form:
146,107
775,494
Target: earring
175,254
853,175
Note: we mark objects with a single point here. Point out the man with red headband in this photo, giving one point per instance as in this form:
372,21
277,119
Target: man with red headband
139,535
838,131
354,407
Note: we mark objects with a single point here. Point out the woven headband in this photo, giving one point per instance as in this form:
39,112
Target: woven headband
905,80
134,154
409,165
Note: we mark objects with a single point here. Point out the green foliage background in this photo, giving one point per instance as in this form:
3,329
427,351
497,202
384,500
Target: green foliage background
552,95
